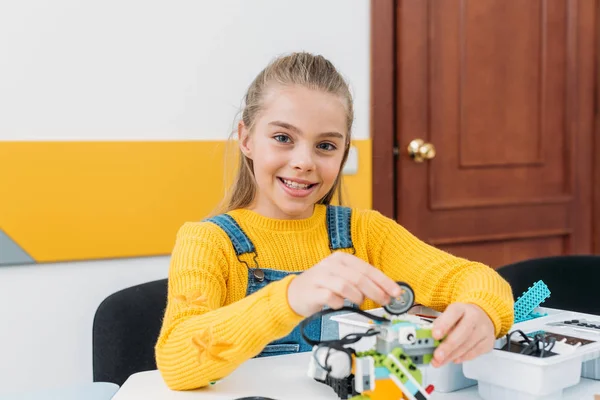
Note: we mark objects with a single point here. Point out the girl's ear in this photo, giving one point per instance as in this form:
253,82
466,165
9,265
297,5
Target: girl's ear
244,139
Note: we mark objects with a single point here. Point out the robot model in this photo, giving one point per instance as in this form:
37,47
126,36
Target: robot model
387,371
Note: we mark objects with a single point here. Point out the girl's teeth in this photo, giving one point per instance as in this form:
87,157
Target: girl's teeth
295,185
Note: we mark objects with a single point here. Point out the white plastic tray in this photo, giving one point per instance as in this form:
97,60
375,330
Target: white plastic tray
505,375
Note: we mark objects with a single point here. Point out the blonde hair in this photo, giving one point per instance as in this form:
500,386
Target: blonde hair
304,69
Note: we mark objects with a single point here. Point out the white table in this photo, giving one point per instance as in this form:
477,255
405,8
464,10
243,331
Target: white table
283,378
87,391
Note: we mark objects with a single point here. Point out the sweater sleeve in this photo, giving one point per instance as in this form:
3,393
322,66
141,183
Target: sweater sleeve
202,339
437,277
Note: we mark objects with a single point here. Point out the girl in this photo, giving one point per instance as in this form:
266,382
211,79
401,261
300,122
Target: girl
241,282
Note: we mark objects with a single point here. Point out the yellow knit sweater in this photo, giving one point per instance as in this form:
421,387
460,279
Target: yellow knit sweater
210,327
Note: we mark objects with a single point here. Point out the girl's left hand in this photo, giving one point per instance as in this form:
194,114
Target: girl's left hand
467,331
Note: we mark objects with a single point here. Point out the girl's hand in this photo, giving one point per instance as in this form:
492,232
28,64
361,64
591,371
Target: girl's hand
468,332
339,276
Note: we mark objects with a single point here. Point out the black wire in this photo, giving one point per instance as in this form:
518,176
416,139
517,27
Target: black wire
340,346
510,335
348,339
533,345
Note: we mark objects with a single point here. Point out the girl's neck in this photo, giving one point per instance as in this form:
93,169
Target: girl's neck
270,210
259,220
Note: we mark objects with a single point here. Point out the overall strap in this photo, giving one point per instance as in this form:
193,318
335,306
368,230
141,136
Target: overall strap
241,242
339,227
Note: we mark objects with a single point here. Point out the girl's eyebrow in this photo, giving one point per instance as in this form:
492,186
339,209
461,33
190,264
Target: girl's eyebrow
292,128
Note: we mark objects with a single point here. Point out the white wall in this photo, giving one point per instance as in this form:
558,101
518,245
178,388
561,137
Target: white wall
153,69
47,313
139,70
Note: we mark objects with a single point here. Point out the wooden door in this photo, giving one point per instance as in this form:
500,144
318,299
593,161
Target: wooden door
503,89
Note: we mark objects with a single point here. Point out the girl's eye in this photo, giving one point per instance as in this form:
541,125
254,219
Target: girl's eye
327,146
282,138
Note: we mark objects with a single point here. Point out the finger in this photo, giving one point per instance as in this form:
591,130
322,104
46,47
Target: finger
472,339
390,287
482,347
449,318
373,291
457,339
330,299
363,283
343,288
458,336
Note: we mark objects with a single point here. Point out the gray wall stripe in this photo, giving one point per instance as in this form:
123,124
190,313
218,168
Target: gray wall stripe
11,253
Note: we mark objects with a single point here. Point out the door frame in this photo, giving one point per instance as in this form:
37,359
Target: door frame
596,141
383,106
384,64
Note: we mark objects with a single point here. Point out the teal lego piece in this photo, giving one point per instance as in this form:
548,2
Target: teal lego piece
533,315
381,373
530,300
532,334
537,315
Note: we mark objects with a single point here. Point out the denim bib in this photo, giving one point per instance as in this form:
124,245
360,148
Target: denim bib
340,237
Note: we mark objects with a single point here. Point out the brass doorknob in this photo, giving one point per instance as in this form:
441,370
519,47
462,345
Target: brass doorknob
418,150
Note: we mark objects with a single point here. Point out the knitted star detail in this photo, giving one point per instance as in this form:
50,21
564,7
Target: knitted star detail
208,347
193,299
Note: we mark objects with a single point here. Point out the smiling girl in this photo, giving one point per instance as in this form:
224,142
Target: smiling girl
240,282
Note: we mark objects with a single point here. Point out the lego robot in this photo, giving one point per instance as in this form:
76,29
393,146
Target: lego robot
389,370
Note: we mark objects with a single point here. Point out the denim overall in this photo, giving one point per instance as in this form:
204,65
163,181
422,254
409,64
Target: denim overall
338,230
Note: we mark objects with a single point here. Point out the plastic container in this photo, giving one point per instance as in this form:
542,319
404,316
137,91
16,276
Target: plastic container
591,369
503,375
506,375
446,379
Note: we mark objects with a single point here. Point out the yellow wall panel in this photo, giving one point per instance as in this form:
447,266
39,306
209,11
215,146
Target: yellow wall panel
65,201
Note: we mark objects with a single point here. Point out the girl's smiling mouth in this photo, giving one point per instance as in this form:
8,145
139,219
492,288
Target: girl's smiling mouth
297,187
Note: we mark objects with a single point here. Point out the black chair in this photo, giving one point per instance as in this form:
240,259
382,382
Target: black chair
126,327
573,280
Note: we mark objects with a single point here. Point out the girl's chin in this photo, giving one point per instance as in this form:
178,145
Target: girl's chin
295,209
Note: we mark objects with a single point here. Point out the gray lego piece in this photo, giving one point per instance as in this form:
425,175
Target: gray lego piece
415,351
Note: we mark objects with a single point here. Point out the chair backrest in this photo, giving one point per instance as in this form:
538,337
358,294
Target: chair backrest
573,280
126,327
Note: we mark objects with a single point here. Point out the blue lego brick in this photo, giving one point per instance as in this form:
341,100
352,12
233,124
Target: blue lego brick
532,334
530,300
525,318
411,387
533,315
537,315
381,373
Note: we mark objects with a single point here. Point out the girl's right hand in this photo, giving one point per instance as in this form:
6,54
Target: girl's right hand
337,277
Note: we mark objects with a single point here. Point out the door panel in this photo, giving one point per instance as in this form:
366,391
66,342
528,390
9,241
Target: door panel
503,90
497,103
503,252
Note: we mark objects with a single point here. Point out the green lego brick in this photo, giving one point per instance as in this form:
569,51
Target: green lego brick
407,363
424,334
377,358
427,358
368,353
395,370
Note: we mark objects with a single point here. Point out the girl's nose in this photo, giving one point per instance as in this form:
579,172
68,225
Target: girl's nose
302,159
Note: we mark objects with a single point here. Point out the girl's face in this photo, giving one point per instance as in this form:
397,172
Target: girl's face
297,146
